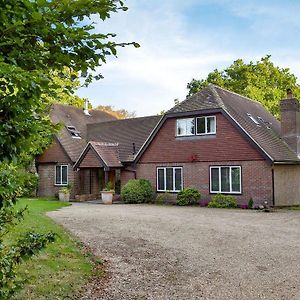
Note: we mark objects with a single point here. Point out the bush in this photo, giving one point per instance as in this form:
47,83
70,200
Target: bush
162,198
223,201
137,191
250,203
188,196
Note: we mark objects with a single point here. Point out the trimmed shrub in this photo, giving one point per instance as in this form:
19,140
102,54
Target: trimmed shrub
137,191
188,196
223,201
162,198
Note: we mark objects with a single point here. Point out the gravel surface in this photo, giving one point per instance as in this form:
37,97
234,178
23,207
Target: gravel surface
166,252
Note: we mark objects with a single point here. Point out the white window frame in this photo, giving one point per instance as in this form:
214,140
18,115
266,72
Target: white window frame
61,184
181,119
230,180
205,122
165,179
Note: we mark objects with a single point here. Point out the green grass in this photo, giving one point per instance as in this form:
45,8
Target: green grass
60,270
295,207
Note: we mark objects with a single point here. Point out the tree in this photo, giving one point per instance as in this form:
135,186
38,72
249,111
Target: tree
39,40
118,113
261,81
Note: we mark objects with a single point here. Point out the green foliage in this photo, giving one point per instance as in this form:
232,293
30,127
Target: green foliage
188,196
109,186
12,255
162,198
223,201
261,81
44,45
137,191
118,113
250,203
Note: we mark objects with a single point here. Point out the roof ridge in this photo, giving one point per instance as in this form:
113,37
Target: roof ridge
234,93
122,120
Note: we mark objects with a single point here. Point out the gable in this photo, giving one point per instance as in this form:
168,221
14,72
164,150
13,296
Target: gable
54,154
227,145
90,160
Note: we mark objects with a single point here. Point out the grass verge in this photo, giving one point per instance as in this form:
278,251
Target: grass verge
296,207
60,270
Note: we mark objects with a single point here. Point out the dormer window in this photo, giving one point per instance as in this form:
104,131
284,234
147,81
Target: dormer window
206,125
196,126
74,132
186,127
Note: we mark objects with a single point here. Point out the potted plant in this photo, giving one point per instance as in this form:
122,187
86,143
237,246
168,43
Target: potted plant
107,193
64,193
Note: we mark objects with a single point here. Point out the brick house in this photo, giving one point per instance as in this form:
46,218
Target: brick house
216,141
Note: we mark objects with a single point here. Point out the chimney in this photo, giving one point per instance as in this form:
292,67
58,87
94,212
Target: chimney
290,121
86,107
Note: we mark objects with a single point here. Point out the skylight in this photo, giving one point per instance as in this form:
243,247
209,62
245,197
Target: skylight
253,119
74,132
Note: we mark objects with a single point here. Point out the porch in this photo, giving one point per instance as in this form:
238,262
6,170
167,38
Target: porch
98,165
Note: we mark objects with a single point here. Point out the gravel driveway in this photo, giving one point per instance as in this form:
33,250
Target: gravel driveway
166,252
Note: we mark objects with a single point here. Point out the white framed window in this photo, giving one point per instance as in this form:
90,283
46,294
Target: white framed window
61,175
169,179
225,179
185,127
206,125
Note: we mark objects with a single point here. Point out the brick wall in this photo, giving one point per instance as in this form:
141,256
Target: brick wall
227,145
47,187
256,178
125,176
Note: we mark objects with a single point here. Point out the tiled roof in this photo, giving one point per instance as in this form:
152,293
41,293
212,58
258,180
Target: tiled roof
266,134
108,152
73,116
124,132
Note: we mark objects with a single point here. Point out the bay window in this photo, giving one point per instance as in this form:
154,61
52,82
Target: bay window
169,179
225,179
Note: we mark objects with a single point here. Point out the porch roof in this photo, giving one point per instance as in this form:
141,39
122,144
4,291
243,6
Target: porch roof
99,154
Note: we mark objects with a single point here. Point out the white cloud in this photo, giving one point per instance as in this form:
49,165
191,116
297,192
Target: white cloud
148,79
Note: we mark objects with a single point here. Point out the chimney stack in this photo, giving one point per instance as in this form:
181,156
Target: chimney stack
86,107
290,122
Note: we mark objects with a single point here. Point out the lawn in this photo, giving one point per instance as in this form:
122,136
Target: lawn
60,270
296,207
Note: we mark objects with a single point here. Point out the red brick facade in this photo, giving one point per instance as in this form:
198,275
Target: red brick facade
256,178
228,144
197,153
47,187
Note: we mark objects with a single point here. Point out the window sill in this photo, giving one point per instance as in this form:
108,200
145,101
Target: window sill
196,137
226,193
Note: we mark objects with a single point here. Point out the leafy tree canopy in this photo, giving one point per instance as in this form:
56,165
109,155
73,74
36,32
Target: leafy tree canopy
261,81
118,113
39,40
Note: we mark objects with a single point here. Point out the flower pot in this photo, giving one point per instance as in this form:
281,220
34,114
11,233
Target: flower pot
107,197
62,196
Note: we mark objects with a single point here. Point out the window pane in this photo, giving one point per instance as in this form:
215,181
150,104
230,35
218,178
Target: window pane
215,180
57,175
200,125
225,183
169,179
161,180
178,180
181,127
211,124
235,179
190,126
64,175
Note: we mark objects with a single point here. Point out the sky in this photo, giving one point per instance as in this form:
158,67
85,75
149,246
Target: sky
185,39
